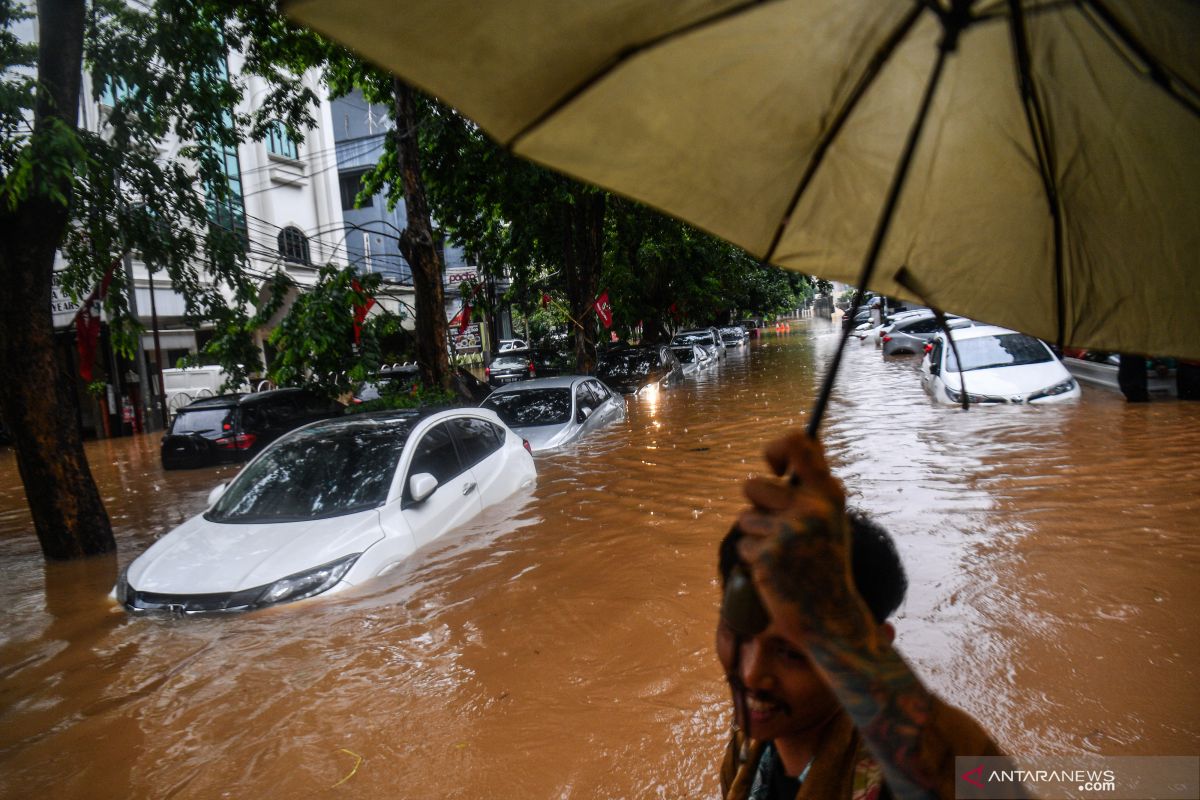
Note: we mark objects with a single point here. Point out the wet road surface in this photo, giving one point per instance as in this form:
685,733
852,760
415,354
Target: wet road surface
560,646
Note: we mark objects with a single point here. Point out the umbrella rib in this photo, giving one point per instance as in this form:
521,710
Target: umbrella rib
1038,131
865,81
882,226
622,57
1155,69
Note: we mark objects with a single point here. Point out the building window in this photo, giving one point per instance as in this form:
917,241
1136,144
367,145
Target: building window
293,246
351,184
229,212
279,143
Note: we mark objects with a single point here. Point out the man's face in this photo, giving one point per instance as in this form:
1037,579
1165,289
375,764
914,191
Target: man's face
785,696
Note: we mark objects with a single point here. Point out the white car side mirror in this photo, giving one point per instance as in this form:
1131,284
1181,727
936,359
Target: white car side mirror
421,486
216,493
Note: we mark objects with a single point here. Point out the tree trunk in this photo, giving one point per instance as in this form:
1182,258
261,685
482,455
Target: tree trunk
37,398
417,245
583,257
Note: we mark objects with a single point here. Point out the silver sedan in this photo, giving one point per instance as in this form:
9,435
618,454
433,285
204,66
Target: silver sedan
552,412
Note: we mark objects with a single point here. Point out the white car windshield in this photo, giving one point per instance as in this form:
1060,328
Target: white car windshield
531,407
698,337
323,471
1007,350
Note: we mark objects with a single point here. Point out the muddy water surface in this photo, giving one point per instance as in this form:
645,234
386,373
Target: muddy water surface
560,646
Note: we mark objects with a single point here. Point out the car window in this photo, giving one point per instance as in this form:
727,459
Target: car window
1007,350
626,364
477,438
206,420
686,355
584,397
921,326
531,407
600,390
435,453
510,362
323,471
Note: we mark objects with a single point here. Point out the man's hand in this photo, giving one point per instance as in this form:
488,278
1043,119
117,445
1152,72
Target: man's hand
796,541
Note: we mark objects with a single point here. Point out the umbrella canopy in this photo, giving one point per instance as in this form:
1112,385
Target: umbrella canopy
1054,187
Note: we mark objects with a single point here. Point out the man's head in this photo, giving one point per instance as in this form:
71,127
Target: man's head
785,695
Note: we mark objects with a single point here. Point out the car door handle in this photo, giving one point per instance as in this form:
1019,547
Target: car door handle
470,487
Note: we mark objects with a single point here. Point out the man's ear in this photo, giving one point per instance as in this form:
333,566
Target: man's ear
888,631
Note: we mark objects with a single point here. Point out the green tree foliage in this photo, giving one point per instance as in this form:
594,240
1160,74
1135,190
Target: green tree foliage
162,69
315,344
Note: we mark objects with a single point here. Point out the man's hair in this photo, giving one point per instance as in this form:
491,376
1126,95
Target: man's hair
874,564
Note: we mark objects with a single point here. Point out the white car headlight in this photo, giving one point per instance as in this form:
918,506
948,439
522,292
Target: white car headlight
307,584
1058,388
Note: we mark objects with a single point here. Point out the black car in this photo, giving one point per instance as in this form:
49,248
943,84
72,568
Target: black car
401,378
234,427
634,368
519,365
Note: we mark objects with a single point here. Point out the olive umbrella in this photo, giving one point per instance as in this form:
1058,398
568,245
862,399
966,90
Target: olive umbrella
1032,163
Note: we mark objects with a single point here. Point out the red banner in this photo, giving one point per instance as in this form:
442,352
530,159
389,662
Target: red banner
360,310
604,309
87,322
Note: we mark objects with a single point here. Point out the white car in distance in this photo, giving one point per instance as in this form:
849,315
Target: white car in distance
999,366
329,506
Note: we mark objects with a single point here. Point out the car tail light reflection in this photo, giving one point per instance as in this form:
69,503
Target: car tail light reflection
487,372
887,339
928,347
243,441
532,370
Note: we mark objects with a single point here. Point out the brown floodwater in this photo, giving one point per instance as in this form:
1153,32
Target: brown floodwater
561,646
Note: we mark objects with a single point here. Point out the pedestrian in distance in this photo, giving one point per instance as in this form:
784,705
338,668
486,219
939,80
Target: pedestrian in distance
825,707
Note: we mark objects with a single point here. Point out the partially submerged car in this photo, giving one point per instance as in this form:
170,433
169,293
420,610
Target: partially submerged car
329,506
692,358
236,427
706,338
552,412
631,369
999,366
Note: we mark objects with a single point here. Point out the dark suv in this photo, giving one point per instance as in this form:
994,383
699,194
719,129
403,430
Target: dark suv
518,365
234,427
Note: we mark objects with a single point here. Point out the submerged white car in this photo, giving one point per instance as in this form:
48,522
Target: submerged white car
329,506
552,412
998,366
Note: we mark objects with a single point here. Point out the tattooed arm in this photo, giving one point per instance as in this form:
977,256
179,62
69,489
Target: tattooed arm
796,541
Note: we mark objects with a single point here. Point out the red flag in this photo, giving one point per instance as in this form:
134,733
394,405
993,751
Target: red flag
87,322
545,300
603,309
462,319
360,310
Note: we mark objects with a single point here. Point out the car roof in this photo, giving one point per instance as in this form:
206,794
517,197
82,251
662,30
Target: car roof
219,401
694,330
557,382
978,332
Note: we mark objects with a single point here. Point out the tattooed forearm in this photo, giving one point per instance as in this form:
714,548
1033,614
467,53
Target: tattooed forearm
888,704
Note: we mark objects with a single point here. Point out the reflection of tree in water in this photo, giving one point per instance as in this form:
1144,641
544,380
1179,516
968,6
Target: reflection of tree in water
317,473
532,407
86,675
627,365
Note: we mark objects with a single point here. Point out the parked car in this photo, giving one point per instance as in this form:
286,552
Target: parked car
692,358
511,344
733,336
236,427
998,365
519,365
706,338
330,506
552,412
401,378
910,335
631,369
